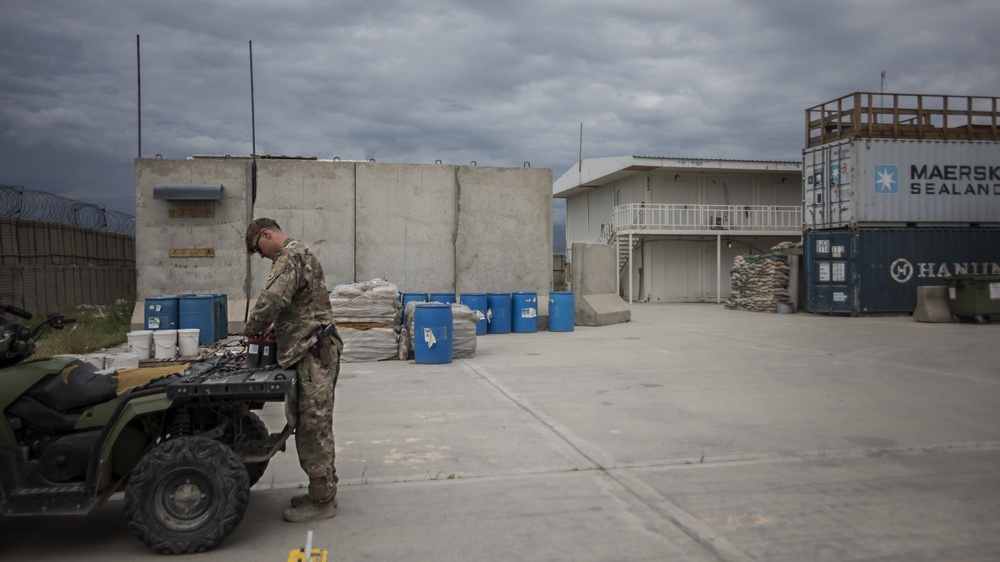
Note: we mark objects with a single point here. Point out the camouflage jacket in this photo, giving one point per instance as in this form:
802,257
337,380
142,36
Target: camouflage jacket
295,300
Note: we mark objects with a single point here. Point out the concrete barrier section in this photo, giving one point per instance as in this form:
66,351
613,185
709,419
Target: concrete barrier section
932,305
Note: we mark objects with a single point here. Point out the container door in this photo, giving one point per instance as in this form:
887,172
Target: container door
830,278
828,193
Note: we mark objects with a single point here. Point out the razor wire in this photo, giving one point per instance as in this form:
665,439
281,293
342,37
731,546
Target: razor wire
25,204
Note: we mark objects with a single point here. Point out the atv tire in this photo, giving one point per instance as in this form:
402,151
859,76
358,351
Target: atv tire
186,495
255,428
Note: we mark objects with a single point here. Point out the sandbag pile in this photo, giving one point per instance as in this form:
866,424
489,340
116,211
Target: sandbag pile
463,321
368,302
369,344
464,331
759,282
367,317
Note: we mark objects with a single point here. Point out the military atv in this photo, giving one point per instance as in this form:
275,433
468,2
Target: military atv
185,448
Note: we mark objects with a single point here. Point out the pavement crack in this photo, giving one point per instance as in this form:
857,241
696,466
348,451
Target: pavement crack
593,455
701,533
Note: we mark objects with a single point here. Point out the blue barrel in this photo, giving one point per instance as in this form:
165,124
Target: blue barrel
562,314
161,313
432,333
446,298
198,311
524,312
476,301
221,316
498,313
407,298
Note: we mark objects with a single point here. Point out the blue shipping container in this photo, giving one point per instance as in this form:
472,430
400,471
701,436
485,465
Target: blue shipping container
878,270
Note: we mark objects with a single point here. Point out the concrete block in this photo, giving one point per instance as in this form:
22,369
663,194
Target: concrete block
601,310
595,301
504,240
423,227
406,225
594,269
932,305
162,226
314,202
543,311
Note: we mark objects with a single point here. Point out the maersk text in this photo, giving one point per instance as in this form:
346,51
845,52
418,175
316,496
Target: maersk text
934,188
973,173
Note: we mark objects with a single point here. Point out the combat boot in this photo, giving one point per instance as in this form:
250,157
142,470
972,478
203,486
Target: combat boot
306,507
311,511
301,499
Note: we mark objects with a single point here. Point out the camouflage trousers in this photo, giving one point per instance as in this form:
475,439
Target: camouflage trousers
314,432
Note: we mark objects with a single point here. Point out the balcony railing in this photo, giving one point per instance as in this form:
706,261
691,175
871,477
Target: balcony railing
640,218
903,116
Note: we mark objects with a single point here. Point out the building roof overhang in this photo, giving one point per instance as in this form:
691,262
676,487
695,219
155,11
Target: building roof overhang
596,172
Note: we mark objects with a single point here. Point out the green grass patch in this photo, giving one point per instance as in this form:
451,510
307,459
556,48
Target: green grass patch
96,328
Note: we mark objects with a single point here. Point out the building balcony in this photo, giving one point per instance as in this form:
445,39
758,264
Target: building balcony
677,219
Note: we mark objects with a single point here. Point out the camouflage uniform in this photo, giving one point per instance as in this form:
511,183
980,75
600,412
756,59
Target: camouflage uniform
296,301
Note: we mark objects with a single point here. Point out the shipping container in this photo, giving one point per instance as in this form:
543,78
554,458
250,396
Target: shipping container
872,271
899,182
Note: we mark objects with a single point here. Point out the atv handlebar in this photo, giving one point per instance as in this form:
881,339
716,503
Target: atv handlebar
17,341
58,320
20,313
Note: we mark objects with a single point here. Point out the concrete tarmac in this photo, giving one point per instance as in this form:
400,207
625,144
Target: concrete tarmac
691,433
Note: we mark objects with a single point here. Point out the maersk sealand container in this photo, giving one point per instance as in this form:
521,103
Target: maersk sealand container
868,271
861,182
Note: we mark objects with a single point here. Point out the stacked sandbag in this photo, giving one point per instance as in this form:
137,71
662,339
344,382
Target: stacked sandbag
759,282
783,247
369,344
464,331
367,317
368,302
463,321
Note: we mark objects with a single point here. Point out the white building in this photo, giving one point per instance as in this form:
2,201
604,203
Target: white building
679,222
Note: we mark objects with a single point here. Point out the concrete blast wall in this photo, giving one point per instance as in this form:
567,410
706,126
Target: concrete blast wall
423,227
161,226
595,295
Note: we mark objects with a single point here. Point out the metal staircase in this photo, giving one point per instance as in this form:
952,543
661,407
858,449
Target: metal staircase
624,250
609,235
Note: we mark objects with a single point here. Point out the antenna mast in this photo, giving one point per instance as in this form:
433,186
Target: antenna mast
881,96
253,132
138,76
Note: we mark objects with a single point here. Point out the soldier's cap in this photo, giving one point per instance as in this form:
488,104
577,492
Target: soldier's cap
254,229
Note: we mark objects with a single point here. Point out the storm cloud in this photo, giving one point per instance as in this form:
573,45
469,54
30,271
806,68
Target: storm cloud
498,83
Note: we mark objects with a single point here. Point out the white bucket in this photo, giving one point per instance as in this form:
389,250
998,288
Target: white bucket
187,339
119,361
141,343
166,344
98,360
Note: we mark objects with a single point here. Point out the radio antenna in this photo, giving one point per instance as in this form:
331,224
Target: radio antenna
253,131
253,178
138,77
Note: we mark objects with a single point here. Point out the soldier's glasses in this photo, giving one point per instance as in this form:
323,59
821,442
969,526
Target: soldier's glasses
256,248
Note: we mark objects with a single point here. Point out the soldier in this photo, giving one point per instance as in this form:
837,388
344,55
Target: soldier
295,307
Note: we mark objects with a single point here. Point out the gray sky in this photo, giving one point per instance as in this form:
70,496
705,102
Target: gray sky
500,83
